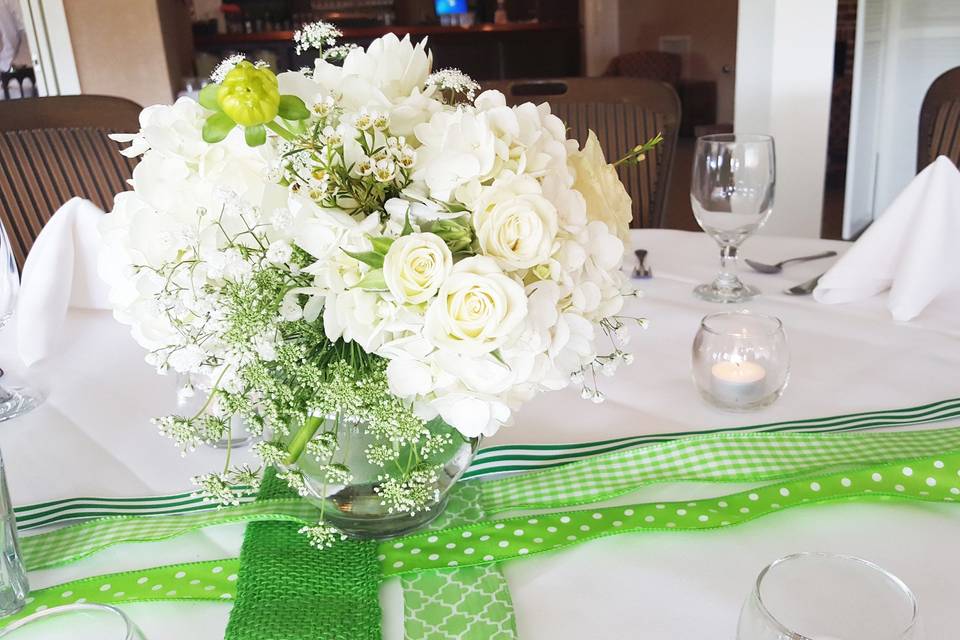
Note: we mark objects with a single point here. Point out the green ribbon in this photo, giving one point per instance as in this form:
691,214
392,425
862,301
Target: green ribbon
932,479
836,467
212,580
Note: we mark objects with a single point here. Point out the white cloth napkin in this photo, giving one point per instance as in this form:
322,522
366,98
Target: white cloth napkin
60,273
913,249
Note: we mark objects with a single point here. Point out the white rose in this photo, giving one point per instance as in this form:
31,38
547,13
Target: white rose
477,308
415,267
515,224
607,199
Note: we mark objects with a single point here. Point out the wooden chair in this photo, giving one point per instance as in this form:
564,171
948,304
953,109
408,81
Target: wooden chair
939,133
52,149
623,112
653,65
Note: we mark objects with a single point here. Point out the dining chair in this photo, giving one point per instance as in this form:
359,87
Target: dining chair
52,149
654,65
623,112
939,133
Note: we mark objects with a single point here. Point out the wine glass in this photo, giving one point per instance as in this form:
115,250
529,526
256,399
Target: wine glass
13,400
824,596
732,196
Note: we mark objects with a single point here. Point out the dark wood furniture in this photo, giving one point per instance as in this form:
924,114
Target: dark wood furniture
484,51
52,149
623,112
939,133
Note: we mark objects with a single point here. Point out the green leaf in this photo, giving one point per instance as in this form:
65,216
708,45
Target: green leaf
381,244
255,136
407,227
217,127
208,97
371,258
293,108
498,357
373,281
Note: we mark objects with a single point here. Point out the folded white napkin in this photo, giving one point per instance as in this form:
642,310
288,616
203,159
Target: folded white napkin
913,249
60,273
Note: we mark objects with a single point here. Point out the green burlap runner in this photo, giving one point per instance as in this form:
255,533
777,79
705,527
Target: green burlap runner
288,591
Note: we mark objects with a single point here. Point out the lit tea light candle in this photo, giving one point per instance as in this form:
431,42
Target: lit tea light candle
738,383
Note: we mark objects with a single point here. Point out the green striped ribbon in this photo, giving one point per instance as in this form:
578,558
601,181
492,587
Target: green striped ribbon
490,461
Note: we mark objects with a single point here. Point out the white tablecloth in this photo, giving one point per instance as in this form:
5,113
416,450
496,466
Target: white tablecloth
93,437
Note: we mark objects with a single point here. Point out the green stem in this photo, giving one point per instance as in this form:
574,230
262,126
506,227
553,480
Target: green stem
302,437
280,131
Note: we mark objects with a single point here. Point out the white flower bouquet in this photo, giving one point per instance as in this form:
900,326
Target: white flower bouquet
365,243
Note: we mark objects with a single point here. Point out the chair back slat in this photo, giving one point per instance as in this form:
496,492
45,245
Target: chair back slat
623,112
939,132
53,149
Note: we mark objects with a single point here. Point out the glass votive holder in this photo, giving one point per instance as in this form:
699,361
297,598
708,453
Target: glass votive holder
740,360
823,596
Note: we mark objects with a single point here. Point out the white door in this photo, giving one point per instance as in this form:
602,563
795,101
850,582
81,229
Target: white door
45,23
902,46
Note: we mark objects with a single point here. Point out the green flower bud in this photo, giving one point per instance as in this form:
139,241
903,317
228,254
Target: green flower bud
457,235
249,95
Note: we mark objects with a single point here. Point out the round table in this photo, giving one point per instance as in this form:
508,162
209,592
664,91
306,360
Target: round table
92,437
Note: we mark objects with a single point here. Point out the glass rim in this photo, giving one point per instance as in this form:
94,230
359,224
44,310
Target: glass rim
793,635
130,628
749,138
775,324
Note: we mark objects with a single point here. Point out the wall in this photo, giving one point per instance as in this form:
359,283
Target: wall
119,49
712,27
784,81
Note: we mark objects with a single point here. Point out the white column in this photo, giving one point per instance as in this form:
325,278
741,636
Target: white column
784,82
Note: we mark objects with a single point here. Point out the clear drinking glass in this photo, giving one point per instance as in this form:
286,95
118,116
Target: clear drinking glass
822,596
13,400
86,621
13,575
732,196
740,360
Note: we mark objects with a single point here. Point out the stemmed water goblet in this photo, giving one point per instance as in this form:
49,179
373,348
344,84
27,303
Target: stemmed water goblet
732,196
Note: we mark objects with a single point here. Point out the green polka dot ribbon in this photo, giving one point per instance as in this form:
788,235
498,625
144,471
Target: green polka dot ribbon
935,479
213,580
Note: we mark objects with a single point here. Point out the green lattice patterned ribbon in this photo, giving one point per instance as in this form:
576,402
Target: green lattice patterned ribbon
931,479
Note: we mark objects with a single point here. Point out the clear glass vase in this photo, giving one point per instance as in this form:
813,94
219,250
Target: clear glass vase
361,505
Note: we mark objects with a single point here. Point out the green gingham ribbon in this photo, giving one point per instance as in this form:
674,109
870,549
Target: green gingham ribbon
720,457
78,541
491,461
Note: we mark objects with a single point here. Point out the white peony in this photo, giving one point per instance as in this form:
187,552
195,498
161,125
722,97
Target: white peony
476,309
606,197
415,266
515,224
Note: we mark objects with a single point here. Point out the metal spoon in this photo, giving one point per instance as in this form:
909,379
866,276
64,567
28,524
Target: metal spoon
777,268
804,288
